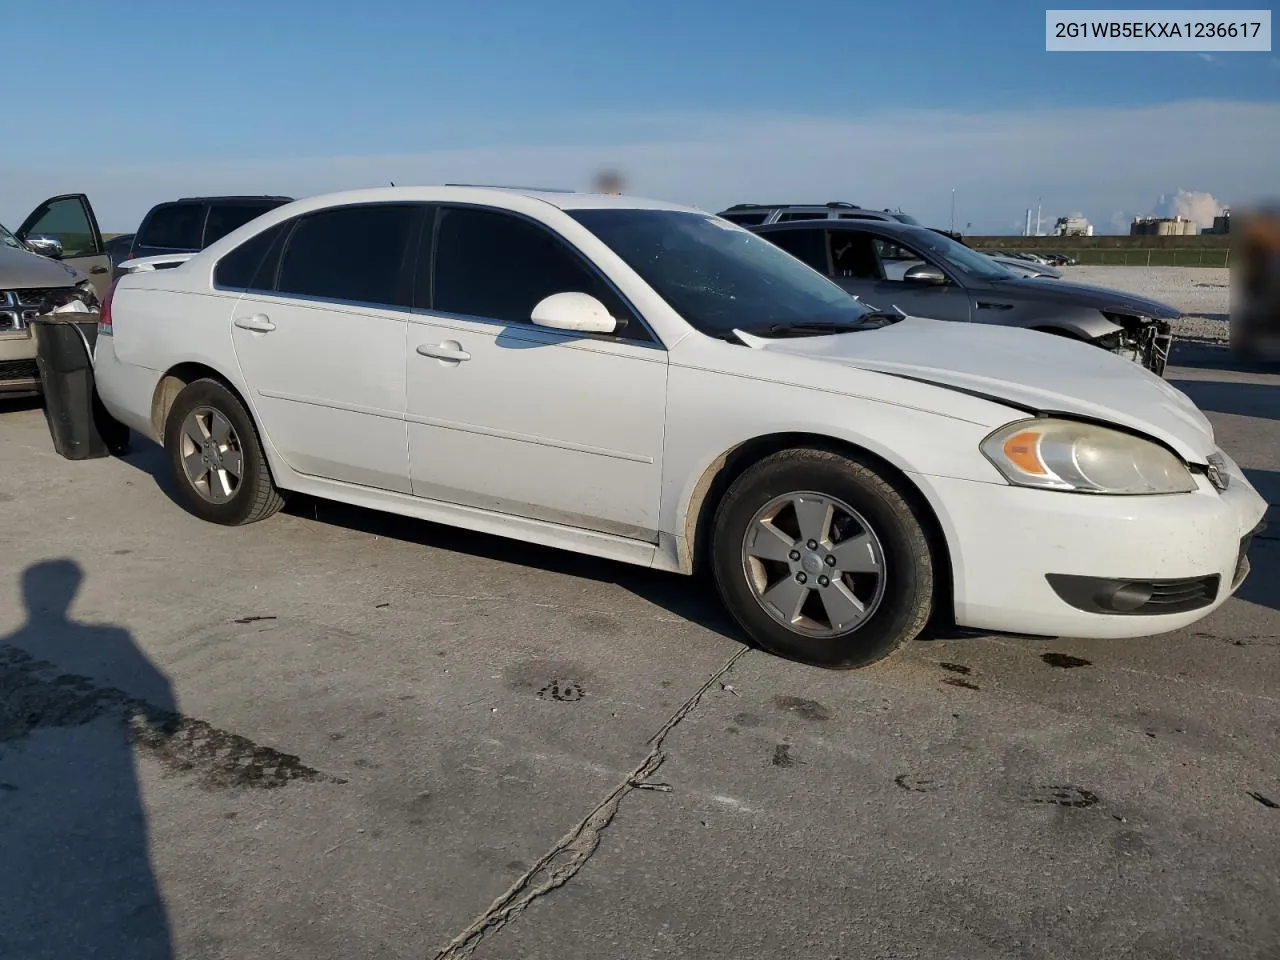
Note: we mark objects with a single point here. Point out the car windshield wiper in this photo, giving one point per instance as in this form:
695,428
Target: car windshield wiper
868,321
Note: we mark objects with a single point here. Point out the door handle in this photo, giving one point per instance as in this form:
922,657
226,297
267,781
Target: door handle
258,323
98,269
989,305
450,350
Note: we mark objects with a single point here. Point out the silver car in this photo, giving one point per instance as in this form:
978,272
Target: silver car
56,256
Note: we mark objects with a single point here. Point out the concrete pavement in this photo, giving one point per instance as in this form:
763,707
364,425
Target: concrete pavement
381,738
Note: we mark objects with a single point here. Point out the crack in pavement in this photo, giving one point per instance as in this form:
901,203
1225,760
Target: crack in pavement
559,865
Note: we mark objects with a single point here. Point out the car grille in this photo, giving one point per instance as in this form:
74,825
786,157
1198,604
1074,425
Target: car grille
20,307
1140,597
18,370
1181,596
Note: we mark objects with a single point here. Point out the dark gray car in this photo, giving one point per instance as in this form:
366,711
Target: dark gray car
895,266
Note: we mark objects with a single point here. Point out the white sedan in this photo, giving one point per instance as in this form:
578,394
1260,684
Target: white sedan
651,384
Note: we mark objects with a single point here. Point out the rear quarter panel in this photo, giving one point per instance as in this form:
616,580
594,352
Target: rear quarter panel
164,318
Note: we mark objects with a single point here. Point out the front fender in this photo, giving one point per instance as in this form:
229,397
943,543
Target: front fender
1087,324
910,439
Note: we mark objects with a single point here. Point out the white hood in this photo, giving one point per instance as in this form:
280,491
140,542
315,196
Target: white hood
1026,368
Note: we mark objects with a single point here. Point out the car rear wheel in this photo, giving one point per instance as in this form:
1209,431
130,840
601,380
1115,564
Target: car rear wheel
216,457
820,559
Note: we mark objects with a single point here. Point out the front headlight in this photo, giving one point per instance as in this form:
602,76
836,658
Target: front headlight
87,293
1084,458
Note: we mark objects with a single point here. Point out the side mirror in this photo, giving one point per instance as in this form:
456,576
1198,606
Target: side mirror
50,247
580,312
924,273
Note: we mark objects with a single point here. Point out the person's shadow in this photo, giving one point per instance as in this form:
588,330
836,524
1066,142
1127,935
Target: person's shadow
76,878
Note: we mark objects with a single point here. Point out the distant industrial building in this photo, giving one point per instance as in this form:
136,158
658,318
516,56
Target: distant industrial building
1163,227
1221,223
1072,227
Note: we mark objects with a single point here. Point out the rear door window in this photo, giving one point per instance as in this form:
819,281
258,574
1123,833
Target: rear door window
353,254
252,265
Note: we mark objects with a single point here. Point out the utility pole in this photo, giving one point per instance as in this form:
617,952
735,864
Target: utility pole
953,209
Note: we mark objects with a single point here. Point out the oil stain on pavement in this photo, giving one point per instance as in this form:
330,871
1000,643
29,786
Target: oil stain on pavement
1065,661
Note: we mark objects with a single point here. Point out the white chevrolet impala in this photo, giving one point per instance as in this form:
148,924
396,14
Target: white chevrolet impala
651,384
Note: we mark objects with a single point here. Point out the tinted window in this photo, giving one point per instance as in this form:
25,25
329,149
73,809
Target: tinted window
176,226
247,267
223,218
807,245
67,221
356,254
854,256
803,215
9,240
718,276
498,266
747,219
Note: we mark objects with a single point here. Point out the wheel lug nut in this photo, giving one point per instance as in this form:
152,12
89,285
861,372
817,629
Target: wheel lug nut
801,578
824,582
795,554
830,561
812,544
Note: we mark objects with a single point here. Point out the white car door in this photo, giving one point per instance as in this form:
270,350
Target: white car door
538,423
321,342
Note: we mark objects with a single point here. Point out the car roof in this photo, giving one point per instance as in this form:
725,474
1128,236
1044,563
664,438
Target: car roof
231,199
879,226
497,196
830,205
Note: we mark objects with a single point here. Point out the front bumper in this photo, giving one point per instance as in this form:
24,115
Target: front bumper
1060,564
18,372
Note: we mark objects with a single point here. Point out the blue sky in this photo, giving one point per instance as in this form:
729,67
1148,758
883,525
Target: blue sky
287,97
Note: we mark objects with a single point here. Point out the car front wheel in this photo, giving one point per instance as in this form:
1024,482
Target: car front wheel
820,559
216,458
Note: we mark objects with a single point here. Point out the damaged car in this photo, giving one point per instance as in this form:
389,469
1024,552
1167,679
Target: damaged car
897,267
642,382
44,266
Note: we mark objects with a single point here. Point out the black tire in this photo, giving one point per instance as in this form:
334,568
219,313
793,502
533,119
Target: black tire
256,497
907,597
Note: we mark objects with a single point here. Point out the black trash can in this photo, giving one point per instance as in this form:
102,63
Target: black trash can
79,424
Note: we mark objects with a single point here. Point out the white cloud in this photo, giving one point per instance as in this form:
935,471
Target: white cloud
1094,160
1192,204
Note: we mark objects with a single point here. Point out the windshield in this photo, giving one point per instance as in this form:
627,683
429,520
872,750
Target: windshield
960,257
9,240
717,275
906,218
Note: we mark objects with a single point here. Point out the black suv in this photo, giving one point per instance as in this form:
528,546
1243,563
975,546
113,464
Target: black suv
192,223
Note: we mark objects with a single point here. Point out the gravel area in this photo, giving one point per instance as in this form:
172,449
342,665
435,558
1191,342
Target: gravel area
1203,293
